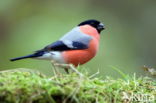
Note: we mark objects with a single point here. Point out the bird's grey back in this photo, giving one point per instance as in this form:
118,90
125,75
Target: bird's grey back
76,35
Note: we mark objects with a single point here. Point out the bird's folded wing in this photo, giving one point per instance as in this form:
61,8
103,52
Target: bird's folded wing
65,45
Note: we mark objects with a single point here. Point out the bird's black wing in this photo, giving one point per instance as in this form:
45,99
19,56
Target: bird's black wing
61,46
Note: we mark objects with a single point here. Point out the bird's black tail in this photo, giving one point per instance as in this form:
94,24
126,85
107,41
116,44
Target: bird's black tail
37,54
23,57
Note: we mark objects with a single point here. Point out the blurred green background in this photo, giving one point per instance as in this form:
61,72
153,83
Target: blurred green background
128,42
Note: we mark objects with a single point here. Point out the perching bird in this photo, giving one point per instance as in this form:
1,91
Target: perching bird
76,47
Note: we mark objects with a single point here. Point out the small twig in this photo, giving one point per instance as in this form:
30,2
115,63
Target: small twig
94,74
152,71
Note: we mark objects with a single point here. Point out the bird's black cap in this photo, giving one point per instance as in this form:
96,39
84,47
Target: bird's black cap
94,23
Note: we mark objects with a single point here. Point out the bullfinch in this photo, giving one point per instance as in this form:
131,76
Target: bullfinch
76,47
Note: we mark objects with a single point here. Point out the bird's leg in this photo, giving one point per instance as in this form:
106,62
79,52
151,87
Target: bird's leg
66,70
56,72
69,66
64,66
75,70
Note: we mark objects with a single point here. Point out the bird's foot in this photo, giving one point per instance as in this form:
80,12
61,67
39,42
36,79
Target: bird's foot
67,67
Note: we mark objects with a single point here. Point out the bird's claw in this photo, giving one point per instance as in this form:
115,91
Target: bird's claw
67,67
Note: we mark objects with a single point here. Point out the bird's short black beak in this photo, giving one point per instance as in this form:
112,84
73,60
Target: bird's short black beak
101,27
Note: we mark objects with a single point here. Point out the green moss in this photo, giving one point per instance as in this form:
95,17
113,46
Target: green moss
26,86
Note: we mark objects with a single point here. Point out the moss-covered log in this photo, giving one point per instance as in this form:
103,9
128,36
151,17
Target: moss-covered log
26,86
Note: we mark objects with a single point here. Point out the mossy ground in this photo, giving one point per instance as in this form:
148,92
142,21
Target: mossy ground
28,86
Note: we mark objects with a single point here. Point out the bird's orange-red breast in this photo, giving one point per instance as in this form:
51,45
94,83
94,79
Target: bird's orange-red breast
77,57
